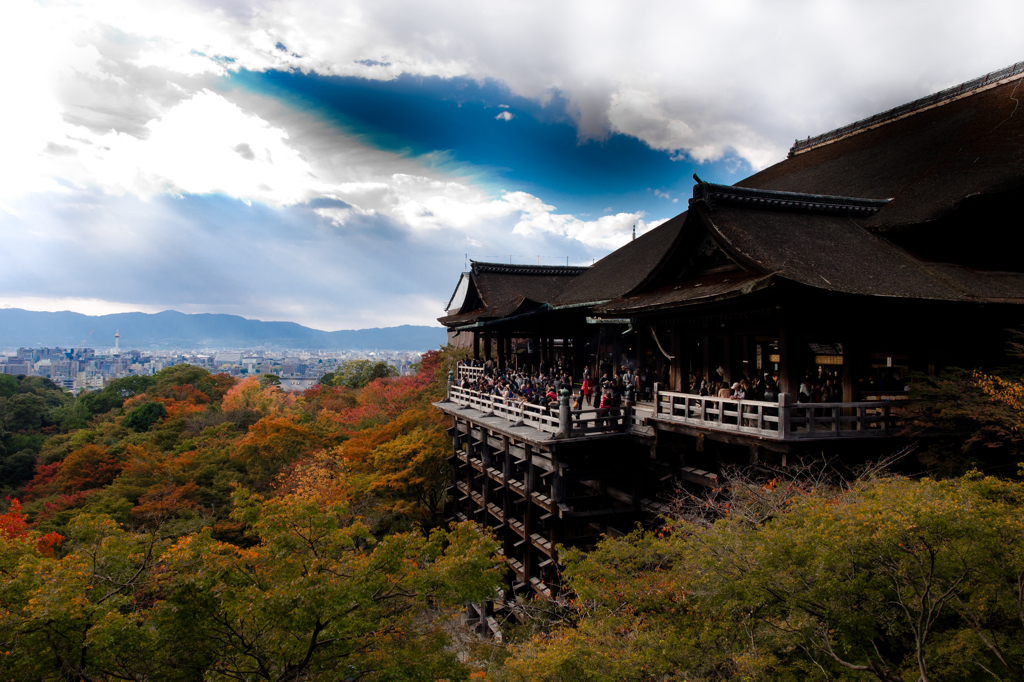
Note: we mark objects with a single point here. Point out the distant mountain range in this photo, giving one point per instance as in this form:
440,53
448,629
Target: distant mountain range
169,329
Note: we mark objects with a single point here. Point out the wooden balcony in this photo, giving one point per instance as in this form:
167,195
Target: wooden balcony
778,420
774,421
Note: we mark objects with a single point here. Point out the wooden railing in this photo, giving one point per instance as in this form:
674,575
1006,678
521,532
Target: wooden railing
773,420
597,420
540,417
471,373
778,420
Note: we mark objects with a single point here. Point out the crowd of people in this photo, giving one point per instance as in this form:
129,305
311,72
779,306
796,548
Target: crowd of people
542,386
744,388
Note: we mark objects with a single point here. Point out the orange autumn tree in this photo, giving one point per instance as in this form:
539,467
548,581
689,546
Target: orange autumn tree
15,535
250,396
89,467
396,448
402,462
272,443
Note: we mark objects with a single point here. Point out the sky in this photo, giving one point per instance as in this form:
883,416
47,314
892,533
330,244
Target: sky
336,164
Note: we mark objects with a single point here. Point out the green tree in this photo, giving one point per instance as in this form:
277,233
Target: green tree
314,598
892,580
358,373
269,380
144,416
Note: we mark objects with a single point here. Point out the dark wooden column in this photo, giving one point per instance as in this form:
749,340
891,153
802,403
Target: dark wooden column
528,516
456,469
705,345
727,360
557,497
476,345
851,366
747,363
485,480
676,375
501,352
487,346
792,360
506,502
578,360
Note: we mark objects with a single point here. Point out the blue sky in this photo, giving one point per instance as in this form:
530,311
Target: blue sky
537,150
333,164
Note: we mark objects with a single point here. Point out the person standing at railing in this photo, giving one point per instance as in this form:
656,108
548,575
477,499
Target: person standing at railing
586,388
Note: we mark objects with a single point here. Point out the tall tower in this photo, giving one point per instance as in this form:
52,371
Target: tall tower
117,342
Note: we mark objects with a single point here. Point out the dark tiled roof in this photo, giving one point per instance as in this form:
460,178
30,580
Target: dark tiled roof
935,99
505,288
624,269
713,194
544,270
926,162
835,253
701,290
464,318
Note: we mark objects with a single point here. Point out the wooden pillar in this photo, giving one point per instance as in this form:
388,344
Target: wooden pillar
456,448
727,357
501,352
578,358
705,344
747,365
792,361
485,460
676,376
851,367
487,346
528,515
506,499
557,497
476,345
639,348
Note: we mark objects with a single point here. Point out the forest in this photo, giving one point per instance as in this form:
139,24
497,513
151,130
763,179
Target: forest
189,526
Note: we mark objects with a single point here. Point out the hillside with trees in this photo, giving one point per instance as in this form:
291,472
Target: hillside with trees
193,526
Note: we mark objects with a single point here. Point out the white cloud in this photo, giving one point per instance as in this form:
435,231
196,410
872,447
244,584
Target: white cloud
505,116
607,232
748,78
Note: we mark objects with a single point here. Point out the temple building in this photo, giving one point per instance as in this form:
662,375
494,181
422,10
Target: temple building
885,247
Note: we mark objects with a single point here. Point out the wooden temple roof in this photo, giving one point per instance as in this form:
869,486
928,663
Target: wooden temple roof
497,290
926,156
624,269
836,254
